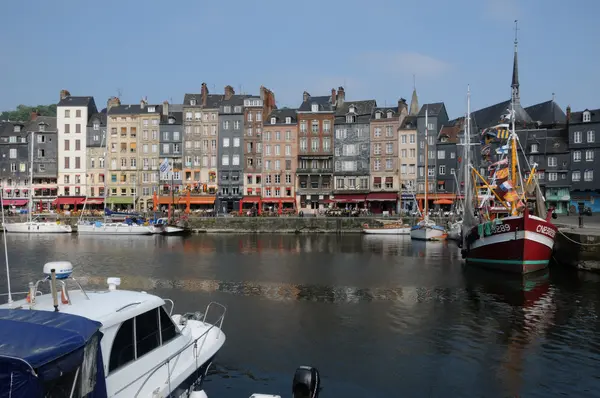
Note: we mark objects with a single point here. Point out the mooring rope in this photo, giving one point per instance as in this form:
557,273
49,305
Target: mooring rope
579,243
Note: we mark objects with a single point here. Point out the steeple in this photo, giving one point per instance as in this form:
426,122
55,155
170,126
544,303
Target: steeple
414,101
516,98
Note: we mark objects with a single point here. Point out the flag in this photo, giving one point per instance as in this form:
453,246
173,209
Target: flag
511,196
503,150
500,163
506,186
503,134
165,167
502,174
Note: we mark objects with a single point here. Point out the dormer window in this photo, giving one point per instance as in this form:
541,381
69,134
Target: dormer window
42,127
352,109
193,101
17,128
238,109
587,116
96,125
350,118
273,120
288,120
389,115
444,139
378,115
171,120
315,107
534,148
151,109
227,109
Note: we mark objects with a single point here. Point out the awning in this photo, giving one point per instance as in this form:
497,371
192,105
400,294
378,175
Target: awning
277,200
349,198
15,202
202,200
251,199
120,200
66,200
92,201
382,197
443,202
377,180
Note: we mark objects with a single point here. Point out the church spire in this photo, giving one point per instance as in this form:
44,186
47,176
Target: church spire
414,101
516,98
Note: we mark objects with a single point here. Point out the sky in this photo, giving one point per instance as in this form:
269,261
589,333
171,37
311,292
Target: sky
162,50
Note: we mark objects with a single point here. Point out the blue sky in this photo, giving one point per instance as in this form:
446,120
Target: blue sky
163,49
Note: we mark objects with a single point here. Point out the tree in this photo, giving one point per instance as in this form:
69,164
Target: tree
23,112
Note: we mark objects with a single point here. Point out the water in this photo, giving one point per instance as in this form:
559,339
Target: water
378,316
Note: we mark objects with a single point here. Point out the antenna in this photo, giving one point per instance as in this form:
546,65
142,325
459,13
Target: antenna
10,300
414,81
516,31
119,93
553,96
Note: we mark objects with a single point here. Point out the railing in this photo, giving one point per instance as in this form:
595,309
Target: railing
167,362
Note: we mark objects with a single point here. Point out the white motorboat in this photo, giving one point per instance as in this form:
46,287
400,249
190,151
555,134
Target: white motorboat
112,228
428,230
38,226
107,343
389,227
162,226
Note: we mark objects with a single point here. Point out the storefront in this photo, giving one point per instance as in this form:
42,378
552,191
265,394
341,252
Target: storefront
383,202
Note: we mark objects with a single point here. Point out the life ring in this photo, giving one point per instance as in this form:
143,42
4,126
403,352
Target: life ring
365,225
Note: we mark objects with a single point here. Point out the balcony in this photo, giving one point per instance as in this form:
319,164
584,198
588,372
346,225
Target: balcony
314,171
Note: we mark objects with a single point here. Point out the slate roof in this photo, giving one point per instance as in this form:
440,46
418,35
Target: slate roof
49,121
577,117
490,116
362,109
409,123
280,115
134,110
547,113
324,103
97,116
235,100
75,101
550,141
213,101
433,109
384,112
451,130
164,119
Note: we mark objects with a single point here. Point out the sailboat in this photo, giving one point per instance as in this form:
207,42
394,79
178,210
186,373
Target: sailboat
507,235
109,227
427,229
165,225
37,225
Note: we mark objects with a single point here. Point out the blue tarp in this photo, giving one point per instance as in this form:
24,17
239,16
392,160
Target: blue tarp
37,347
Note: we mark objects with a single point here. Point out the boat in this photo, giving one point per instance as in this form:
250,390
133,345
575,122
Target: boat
508,235
455,231
163,226
427,229
70,342
36,225
389,227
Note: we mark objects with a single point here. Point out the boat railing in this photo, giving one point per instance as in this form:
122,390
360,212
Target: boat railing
175,356
172,305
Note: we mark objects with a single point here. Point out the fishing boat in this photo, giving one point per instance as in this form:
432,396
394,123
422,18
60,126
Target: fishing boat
115,224
389,227
162,226
36,225
427,229
508,235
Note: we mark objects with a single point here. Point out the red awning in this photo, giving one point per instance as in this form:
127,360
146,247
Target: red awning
68,201
91,201
15,202
349,198
382,196
251,199
377,180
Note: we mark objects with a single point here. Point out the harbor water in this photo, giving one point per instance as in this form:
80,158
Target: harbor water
379,316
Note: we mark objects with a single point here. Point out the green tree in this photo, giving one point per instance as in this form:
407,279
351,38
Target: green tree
23,112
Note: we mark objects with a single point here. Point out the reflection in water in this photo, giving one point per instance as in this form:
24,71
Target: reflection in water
380,316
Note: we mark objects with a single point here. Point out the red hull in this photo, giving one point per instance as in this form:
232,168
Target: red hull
521,244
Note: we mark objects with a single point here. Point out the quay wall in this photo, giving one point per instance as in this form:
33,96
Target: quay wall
265,224
578,248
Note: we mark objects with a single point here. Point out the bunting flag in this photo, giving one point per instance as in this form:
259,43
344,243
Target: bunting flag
503,150
503,134
511,196
506,186
499,164
501,174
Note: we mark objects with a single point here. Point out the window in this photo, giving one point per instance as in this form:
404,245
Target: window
441,154
167,327
576,175
587,116
236,142
147,333
13,153
552,161
78,113
122,351
534,148
576,137
288,120
588,175
552,176
226,125
589,155
442,169
235,160
314,107
225,160
225,142
67,113
273,120
591,136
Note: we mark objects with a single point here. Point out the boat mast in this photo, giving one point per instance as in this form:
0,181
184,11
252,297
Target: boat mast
9,294
425,213
466,158
172,192
31,179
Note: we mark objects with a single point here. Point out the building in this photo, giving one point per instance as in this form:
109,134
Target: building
14,163
280,159
45,155
436,116
171,148
255,110
133,157
72,118
584,146
448,154
407,152
201,114
230,169
95,155
316,116
384,158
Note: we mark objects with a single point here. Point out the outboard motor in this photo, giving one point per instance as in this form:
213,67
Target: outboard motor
306,383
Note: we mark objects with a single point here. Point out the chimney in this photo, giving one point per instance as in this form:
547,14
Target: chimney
64,94
262,94
229,92
112,102
333,96
34,115
341,96
165,110
568,114
204,93
402,105
143,103
305,96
